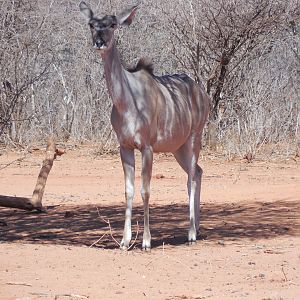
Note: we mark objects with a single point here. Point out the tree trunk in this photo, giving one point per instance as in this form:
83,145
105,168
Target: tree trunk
36,201
211,137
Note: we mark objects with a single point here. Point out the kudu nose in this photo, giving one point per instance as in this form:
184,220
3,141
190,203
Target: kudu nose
99,44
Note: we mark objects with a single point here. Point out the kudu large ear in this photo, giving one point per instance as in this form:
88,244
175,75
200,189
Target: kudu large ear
126,17
86,11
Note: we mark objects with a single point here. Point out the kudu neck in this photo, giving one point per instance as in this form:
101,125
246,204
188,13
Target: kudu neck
115,75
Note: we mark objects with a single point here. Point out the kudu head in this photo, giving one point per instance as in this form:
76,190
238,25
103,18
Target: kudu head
102,29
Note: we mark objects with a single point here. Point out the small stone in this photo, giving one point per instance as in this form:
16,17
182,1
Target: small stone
159,176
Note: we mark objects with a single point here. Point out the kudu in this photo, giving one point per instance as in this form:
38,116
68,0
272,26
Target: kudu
151,114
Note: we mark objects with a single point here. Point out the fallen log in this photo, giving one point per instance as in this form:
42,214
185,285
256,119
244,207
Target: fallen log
16,202
35,202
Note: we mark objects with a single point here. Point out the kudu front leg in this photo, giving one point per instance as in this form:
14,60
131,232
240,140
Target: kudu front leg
128,162
147,161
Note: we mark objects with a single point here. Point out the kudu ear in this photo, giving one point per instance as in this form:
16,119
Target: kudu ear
86,11
126,17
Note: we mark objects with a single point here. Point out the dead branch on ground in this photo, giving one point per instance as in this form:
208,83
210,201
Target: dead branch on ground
35,202
111,233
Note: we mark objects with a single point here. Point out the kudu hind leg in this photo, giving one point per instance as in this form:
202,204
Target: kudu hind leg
127,157
147,161
198,176
194,188
187,157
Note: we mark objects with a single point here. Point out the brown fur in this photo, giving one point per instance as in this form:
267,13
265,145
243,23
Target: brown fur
143,64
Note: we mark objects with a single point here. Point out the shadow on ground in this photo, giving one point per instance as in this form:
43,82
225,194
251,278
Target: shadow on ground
83,225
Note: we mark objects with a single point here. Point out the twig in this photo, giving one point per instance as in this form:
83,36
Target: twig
12,162
137,233
19,283
111,233
72,296
40,294
57,296
110,229
98,240
284,274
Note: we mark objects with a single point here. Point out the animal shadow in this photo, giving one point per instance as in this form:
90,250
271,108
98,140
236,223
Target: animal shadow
85,224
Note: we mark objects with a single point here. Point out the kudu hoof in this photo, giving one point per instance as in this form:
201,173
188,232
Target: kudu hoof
146,249
192,242
123,247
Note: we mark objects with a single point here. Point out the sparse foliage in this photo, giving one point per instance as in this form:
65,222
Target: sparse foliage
247,53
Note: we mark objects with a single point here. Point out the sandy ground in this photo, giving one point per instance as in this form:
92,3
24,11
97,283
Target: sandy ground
248,248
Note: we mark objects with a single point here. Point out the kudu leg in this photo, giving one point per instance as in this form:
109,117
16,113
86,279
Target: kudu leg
128,162
147,161
187,157
198,176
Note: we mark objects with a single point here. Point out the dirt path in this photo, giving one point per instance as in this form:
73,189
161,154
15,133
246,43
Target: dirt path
249,245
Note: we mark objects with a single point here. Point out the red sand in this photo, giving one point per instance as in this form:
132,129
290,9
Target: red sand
249,246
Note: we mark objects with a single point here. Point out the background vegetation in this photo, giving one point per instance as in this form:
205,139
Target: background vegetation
246,53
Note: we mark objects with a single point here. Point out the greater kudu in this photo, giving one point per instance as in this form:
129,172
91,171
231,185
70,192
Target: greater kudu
151,114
